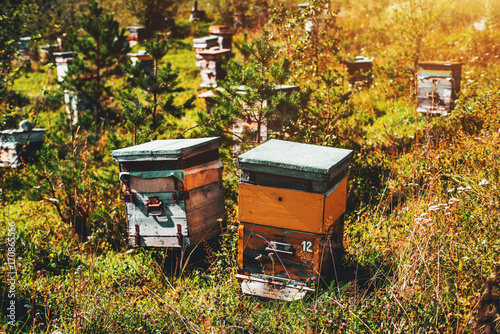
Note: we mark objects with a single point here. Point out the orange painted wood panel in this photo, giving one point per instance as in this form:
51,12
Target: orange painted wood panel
284,208
335,203
201,175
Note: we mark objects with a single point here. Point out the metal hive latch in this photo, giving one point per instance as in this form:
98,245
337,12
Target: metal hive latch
180,238
154,206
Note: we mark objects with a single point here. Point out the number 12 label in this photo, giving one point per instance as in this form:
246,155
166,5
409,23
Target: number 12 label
306,246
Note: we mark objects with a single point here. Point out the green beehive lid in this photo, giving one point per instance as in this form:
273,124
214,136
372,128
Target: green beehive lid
304,161
170,149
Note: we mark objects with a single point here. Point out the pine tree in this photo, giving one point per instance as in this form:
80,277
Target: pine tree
102,47
311,41
250,92
154,14
14,19
157,86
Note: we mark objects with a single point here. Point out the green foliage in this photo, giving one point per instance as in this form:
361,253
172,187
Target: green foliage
154,15
158,85
421,229
14,19
102,47
253,92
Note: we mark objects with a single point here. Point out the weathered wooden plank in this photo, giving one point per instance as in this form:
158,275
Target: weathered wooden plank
309,253
267,290
164,241
284,208
206,225
204,195
201,175
205,221
156,185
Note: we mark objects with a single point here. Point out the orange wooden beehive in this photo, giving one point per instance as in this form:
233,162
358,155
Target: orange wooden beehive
292,199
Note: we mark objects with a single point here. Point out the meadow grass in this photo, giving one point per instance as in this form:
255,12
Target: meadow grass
421,230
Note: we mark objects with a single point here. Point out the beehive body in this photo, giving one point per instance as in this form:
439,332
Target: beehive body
225,37
210,64
17,145
173,192
438,87
291,205
360,70
136,35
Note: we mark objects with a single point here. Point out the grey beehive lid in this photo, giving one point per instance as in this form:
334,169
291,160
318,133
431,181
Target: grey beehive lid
304,161
169,149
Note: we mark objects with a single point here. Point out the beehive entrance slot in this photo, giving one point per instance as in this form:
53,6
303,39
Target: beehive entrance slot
280,247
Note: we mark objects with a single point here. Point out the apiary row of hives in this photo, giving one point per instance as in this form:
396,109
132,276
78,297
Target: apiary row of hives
292,198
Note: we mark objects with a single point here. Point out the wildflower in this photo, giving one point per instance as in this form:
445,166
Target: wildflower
307,310
328,314
59,287
324,311
97,300
313,278
450,315
483,182
145,315
202,316
334,303
433,208
330,321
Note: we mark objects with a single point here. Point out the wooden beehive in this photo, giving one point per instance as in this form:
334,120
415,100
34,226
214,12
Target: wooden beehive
173,191
63,60
210,66
360,70
136,35
292,199
438,86
143,59
203,44
17,145
225,37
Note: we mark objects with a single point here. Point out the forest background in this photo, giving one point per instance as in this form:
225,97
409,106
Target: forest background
421,228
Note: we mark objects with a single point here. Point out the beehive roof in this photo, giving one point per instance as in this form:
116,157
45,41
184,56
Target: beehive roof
168,149
296,160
